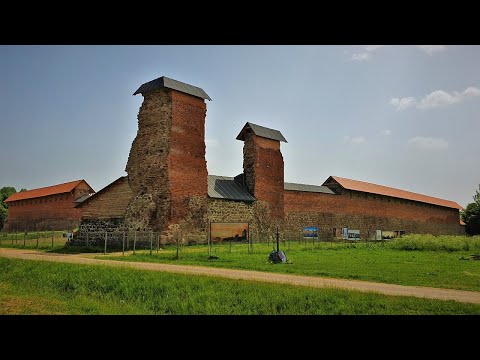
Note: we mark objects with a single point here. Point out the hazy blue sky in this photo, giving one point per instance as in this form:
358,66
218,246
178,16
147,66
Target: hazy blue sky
401,116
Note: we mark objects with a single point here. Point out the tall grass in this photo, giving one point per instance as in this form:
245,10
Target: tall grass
425,242
33,287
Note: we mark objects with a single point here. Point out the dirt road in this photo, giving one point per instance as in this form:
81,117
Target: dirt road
318,282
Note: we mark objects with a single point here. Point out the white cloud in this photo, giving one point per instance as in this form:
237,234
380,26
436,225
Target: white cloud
387,132
428,143
354,140
403,103
435,99
431,49
366,53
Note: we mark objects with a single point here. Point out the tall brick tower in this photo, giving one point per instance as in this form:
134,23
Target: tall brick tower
263,165
166,166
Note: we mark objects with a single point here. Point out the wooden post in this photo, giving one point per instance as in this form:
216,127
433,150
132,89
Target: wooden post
87,237
178,241
249,240
230,243
105,249
24,235
151,242
53,233
134,241
12,239
37,237
210,239
16,237
158,241
123,243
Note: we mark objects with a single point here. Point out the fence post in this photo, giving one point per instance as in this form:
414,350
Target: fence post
151,241
209,239
123,243
87,237
16,237
24,235
230,245
134,241
53,233
158,241
38,234
105,249
12,238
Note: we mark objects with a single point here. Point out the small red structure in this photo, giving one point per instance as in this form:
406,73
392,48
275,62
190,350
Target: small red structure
48,208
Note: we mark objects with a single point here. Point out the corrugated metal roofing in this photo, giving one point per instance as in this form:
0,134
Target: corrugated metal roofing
82,198
307,188
45,191
165,82
261,131
223,187
388,191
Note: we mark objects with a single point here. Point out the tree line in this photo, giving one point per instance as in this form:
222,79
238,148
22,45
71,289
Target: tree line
6,192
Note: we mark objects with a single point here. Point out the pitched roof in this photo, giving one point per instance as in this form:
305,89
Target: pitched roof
261,131
165,82
392,192
45,191
307,188
224,187
101,191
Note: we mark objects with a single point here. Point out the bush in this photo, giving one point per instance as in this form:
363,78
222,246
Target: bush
426,242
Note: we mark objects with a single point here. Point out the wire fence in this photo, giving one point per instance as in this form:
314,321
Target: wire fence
34,239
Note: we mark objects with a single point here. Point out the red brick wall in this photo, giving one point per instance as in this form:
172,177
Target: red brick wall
187,167
362,210
53,209
263,167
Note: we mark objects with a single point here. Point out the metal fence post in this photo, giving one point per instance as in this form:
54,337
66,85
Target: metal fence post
123,243
105,249
134,241
151,242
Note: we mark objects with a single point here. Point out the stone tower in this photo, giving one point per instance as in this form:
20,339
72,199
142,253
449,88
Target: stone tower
166,167
263,165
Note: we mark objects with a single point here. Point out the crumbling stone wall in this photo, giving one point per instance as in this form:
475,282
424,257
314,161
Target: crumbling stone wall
166,166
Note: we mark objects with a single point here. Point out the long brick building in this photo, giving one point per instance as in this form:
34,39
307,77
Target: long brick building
48,208
168,185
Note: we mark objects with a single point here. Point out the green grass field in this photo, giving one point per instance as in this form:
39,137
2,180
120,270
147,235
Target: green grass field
58,288
387,263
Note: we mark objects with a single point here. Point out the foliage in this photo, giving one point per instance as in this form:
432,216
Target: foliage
471,215
5,192
426,242
36,287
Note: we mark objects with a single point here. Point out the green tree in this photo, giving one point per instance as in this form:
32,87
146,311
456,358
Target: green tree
471,215
5,192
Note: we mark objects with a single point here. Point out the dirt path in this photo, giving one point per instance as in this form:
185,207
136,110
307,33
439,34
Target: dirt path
318,282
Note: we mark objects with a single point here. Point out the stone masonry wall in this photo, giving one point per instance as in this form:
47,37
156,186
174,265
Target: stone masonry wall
264,172
147,165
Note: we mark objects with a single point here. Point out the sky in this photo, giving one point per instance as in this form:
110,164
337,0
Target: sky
402,116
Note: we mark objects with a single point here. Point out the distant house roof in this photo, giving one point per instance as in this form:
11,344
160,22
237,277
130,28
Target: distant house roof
308,188
165,82
45,191
224,187
260,131
388,191
101,191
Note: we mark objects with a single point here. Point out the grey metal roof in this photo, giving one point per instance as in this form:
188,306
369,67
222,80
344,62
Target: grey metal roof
83,198
308,188
261,131
165,82
223,187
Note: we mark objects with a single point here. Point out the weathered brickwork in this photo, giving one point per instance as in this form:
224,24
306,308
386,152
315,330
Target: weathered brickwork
367,212
166,165
44,213
263,168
